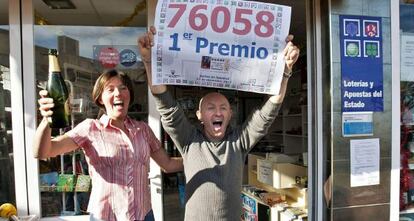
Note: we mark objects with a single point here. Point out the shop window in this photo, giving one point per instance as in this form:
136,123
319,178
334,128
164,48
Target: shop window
407,111
90,37
7,186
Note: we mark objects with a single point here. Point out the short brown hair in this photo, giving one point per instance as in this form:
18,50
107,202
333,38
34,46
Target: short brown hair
103,80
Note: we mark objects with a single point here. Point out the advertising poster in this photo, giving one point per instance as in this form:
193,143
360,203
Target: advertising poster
116,56
361,63
220,43
249,212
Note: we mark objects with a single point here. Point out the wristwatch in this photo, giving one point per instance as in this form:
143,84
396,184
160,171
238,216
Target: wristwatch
287,74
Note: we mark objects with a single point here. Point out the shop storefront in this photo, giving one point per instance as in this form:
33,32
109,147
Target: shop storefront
338,39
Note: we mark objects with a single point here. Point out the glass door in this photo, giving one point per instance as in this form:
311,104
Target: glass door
7,178
90,37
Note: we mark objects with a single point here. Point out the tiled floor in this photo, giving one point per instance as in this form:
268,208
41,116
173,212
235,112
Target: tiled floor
173,211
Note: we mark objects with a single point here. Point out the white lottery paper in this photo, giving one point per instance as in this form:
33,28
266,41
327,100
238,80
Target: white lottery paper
365,166
220,43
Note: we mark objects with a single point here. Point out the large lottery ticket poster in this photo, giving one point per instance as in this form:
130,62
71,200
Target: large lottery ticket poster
220,43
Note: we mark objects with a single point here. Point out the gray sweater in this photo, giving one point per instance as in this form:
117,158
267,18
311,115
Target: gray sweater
213,170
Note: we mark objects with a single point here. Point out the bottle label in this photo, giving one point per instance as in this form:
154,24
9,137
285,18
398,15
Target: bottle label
67,107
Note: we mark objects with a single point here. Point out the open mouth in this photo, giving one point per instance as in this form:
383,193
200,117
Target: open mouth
217,125
118,104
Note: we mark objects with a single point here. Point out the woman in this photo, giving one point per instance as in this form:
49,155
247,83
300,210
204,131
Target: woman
117,149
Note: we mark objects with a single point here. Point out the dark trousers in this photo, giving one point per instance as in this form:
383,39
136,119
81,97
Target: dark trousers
149,216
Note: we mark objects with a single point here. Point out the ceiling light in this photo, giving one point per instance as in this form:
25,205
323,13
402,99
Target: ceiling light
60,4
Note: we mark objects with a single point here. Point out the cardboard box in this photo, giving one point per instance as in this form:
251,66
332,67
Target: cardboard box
252,168
265,171
284,174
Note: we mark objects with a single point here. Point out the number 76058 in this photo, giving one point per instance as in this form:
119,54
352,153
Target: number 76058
199,20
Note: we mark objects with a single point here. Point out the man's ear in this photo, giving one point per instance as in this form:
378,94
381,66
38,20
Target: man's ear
198,113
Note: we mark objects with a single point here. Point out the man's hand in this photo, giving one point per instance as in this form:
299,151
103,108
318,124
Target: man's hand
291,54
145,43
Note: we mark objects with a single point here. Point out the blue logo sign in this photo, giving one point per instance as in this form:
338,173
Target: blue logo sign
372,49
352,48
371,28
351,27
361,63
128,57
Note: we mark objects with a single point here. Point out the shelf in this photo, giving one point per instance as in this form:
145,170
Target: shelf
295,135
44,190
254,197
300,186
409,210
294,95
277,134
293,115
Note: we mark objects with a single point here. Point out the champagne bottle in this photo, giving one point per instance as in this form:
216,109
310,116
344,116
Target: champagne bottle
57,90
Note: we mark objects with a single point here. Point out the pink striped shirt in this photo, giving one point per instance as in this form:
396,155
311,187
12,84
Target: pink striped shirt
118,165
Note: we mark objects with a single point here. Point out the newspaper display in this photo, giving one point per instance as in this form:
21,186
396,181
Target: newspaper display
227,44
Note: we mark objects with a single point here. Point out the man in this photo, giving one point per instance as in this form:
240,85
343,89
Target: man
214,155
